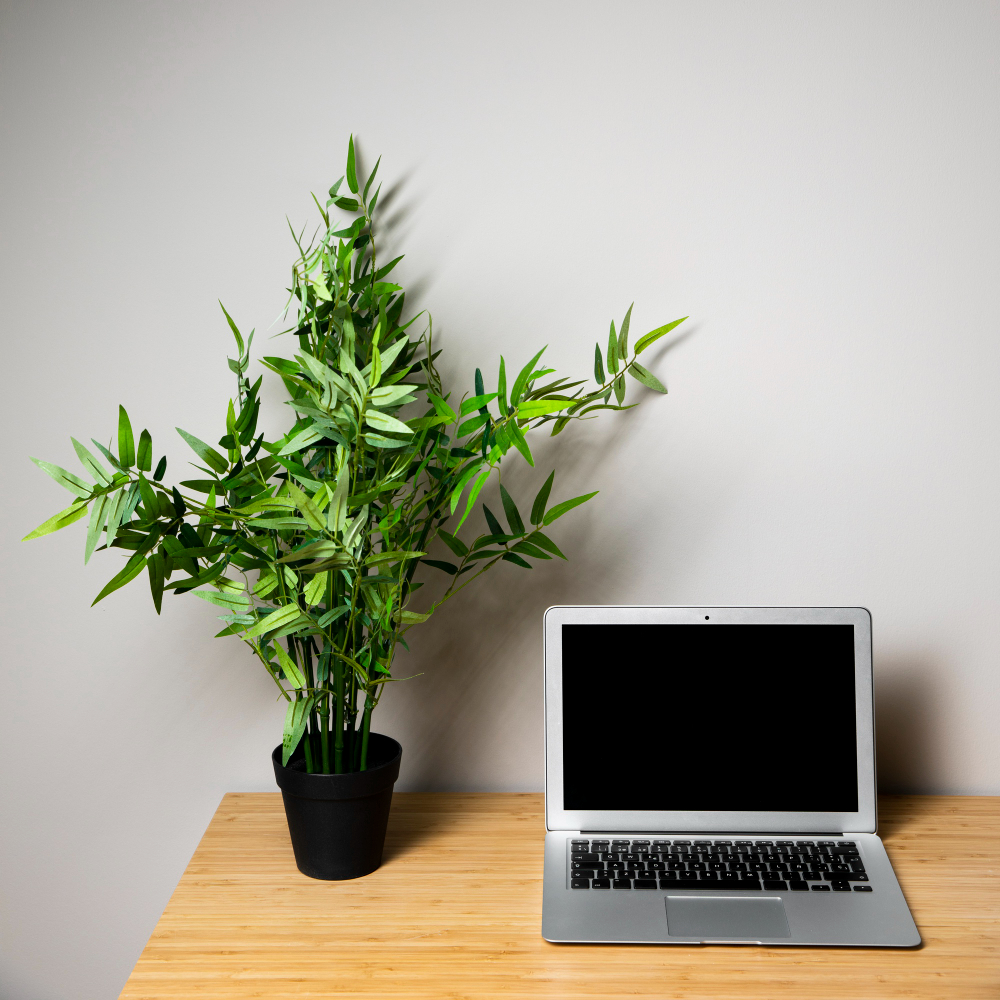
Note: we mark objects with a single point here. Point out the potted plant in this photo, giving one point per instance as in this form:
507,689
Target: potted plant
314,545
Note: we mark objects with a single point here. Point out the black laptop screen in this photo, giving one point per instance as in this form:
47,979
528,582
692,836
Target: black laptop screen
709,717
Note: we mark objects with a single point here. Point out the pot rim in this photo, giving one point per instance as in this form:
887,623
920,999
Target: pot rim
349,785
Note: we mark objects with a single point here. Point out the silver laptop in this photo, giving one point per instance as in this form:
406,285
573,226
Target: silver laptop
710,778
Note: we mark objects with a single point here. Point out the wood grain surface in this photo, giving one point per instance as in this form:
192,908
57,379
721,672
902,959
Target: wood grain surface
455,911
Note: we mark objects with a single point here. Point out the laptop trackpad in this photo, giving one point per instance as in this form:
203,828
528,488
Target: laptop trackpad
714,919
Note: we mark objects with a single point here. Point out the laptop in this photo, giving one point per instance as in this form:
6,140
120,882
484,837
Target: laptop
710,779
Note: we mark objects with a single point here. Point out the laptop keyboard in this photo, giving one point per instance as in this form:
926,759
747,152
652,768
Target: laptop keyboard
770,865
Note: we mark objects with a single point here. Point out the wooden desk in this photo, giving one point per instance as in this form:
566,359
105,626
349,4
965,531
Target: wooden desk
455,911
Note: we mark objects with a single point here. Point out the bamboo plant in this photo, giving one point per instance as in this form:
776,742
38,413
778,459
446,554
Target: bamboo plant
314,545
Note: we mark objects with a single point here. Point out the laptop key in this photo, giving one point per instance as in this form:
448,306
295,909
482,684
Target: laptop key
601,883
644,883
585,857
770,886
579,883
862,888
710,885
799,886
621,883
822,887
857,877
840,886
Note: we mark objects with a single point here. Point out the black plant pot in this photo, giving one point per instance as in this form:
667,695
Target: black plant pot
337,822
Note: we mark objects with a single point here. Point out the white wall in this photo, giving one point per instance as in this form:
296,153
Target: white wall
814,183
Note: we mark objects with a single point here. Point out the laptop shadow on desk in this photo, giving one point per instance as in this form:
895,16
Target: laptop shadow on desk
906,735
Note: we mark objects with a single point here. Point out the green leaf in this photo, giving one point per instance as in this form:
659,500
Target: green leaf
455,544
527,549
383,422
517,439
98,515
473,493
206,453
126,444
368,184
61,520
65,479
379,441
516,560
598,365
612,349
647,378
336,515
537,407
655,335
620,389
309,510
376,373
522,379
295,725
448,567
161,468
463,481
266,503
561,508
238,603
352,177
412,617
91,464
148,495
471,426
623,335
354,529
232,326
320,548
132,569
283,616
510,509
544,542
502,387
476,402
116,512
144,453
542,498
390,395
492,522
315,589
305,437
289,667
393,555
442,407
156,569
331,616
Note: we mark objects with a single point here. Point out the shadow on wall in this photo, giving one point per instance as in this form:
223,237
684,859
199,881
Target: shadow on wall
906,724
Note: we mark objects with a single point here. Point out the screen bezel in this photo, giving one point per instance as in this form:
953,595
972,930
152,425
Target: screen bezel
559,818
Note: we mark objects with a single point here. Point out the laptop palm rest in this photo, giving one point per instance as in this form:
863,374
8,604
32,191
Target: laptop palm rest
734,917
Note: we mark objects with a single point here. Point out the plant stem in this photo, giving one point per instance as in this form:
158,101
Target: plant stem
338,738
309,756
366,720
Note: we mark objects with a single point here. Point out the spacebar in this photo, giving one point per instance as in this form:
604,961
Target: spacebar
750,884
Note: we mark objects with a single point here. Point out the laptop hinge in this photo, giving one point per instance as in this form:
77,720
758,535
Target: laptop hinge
749,833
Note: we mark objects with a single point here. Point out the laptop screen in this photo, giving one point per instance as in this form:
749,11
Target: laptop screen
709,717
